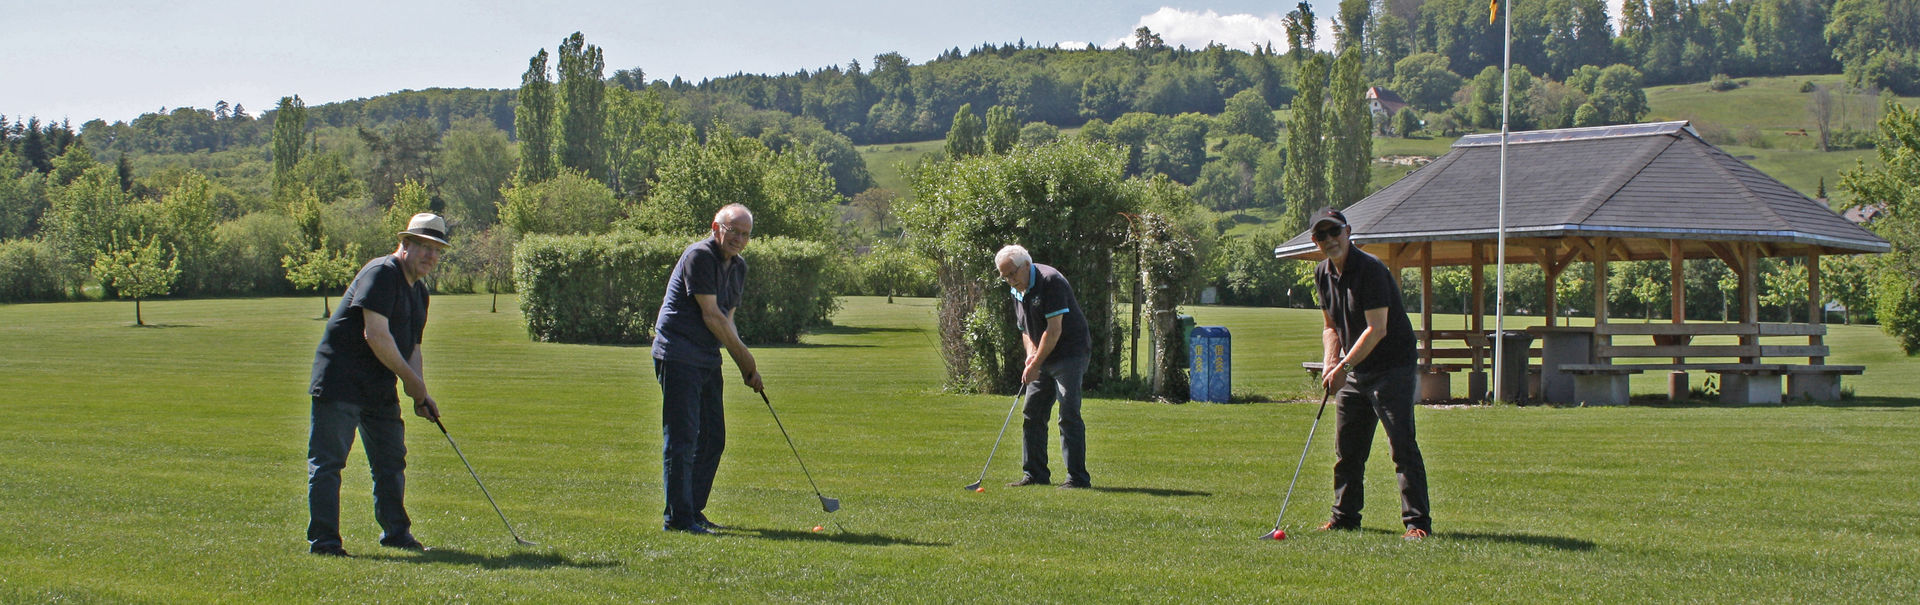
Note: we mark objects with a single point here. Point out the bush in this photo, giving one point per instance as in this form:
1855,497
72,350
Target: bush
248,253
1722,83
1897,303
608,288
30,270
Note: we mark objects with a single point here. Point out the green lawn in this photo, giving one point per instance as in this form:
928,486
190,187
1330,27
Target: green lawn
164,464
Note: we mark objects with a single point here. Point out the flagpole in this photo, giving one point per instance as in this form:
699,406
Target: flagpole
1500,228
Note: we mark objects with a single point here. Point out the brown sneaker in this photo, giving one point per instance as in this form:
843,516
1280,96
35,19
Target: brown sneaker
1026,481
1415,534
1336,526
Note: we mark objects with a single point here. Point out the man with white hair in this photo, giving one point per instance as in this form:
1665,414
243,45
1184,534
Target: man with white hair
1054,332
695,322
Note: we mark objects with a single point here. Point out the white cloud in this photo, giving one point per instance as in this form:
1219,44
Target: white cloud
1241,31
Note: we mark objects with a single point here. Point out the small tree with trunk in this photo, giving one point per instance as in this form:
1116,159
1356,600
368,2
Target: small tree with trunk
322,269
137,270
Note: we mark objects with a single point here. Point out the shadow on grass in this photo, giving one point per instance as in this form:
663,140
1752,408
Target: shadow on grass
163,326
829,536
1656,401
518,560
1553,542
1151,491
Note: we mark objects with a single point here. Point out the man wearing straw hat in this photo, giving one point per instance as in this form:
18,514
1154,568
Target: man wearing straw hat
372,340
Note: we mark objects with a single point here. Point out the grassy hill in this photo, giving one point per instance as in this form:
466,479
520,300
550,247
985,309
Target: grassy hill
165,464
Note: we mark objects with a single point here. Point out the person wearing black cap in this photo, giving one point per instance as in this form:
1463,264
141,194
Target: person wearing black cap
1371,361
372,339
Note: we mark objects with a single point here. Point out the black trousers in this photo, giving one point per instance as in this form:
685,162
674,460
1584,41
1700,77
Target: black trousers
1383,397
694,434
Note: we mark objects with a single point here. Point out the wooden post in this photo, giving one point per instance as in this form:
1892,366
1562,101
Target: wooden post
1816,310
1602,249
1552,273
1426,300
1747,254
1677,388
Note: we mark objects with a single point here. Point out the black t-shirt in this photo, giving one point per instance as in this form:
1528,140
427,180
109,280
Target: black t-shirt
344,366
1366,283
680,333
1048,294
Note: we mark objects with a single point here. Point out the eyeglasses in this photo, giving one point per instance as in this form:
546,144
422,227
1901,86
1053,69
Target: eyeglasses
742,234
1326,234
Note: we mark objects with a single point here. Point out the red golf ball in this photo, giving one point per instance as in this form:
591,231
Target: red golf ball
980,489
1279,534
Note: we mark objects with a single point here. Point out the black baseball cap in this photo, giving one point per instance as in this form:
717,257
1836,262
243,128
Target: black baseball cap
1329,215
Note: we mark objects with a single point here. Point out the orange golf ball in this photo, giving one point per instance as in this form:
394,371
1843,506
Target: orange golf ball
818,528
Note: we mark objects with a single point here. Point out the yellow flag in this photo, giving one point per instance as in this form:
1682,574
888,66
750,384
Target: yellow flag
1493,10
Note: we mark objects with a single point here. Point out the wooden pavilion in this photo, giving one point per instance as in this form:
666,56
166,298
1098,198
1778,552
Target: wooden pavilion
1636,192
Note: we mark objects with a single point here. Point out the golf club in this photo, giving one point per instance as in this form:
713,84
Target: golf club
483,486
828,504
996,446
1277,533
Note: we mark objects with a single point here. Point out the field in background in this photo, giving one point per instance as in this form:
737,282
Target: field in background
165,464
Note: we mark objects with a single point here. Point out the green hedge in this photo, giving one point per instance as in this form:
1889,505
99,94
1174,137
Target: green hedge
608,288
30,270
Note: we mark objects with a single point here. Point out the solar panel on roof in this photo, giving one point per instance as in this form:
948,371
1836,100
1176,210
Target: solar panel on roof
1573,134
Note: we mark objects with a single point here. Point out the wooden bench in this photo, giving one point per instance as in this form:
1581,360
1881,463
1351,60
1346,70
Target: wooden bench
1752,379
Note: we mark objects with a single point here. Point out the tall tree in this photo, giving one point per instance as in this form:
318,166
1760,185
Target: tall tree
474,162
533,122
582,107
1247,113
1003,129
1305,185
403,153
964,138
1350,123
289,133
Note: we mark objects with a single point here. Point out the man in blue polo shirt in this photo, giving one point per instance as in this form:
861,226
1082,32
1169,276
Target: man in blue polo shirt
372,339
695,322
1054,332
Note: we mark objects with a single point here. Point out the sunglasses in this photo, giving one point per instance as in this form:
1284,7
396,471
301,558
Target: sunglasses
1325,234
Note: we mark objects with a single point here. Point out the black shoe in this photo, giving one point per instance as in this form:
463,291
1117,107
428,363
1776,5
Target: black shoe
692,528
405,543
1026,481
1073,484
703,520
333,550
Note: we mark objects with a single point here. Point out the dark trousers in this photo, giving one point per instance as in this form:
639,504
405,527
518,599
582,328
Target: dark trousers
328,442
1383,397
1059,378
694,426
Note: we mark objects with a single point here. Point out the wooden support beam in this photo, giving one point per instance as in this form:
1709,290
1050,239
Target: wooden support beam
1816,307
1426,298
1546,256
1726,254
1600,249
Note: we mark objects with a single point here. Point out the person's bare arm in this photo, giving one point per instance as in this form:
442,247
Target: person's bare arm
409,370
723,328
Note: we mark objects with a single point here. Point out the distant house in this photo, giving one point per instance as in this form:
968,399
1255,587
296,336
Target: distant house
1861,215
1384,104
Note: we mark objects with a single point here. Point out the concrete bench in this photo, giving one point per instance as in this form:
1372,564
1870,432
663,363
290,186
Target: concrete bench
1818,382
1601,383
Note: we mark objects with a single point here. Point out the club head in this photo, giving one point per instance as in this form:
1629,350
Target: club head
524,541
1278,534
830,504
974,487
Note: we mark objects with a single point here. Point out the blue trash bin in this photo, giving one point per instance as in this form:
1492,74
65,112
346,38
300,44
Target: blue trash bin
1219,364
1199,364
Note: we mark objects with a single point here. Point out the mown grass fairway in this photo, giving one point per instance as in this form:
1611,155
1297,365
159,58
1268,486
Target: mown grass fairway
166,464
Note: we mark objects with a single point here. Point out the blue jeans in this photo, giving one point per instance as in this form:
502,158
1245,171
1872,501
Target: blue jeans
328,442
1059,378
694,427
1383,397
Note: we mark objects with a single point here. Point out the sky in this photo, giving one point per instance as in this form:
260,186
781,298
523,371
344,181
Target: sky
77,60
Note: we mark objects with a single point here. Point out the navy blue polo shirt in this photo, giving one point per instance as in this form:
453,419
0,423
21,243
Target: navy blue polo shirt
1366,283
1048,295
344,366
680,333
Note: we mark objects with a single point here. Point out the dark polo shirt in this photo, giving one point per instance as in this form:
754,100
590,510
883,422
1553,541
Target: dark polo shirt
1048,294
680,334
344,366
1366,283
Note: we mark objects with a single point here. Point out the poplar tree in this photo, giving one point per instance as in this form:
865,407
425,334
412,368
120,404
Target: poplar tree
289,132
533,122
1305,182
1349,131
963,139
582,107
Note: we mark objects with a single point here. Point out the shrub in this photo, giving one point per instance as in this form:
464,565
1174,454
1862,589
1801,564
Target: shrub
30,270
1898,306
1722,83
248,253
608,288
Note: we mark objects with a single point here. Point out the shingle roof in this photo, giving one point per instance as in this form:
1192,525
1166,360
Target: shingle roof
1641,182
